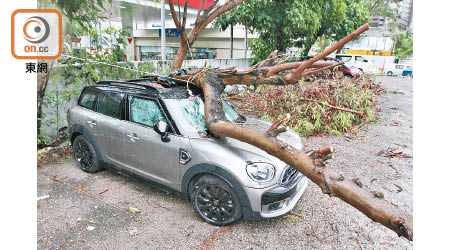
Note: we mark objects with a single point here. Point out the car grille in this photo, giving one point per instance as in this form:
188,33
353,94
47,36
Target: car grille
289,175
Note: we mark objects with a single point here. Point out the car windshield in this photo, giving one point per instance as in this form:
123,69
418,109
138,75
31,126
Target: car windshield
189,114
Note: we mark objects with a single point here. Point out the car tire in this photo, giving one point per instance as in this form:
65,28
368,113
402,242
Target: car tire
389,73
215,201
84,155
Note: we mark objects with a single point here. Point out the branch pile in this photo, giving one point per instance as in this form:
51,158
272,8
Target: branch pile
329,105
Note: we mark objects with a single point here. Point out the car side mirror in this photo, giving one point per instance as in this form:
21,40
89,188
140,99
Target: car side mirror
162,128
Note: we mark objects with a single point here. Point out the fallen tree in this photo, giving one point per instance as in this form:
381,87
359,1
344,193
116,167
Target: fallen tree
312,164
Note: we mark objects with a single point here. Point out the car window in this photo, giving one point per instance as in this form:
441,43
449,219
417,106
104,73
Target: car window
359,59
408,67
399,66
109,104
344,58
87,99
145,111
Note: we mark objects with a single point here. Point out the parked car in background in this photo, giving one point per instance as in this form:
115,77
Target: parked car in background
349,72
359,62
396,69
159,134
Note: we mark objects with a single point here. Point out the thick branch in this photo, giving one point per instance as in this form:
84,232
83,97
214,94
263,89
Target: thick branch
293,65
297,74
268,72
180,28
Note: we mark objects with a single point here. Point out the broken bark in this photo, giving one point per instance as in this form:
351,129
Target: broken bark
312,165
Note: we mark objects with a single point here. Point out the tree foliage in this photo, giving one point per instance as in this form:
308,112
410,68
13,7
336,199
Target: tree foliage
404,46
83,12
284,23
381,8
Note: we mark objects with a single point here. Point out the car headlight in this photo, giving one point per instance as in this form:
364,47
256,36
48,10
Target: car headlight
260,171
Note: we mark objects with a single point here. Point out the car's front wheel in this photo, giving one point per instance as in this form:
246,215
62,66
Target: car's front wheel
84,155
215,201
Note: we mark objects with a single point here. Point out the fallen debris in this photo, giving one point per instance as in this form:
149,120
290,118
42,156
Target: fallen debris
382,162
133,232
295,214
392,152
135,210
43,197
209,241
80,186
399,189
106,190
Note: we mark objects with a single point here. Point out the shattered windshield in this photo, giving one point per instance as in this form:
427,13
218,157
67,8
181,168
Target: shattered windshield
189,114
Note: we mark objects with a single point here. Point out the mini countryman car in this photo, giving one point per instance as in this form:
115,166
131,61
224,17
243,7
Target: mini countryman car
156,131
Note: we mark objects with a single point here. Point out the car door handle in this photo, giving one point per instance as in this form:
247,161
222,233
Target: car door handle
91,123
133,136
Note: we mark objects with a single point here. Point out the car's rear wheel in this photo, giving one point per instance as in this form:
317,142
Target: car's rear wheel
389,73
84,155
215,201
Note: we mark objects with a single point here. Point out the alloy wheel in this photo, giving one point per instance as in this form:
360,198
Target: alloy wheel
83,155
215,203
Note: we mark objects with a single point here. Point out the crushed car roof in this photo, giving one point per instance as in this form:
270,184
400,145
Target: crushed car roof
159,86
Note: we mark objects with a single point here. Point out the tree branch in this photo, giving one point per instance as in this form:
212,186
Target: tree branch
219,11
298,72
312,72
197,18
360,113
180,28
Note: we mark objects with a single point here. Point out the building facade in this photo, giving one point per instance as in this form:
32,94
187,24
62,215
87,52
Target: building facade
142,19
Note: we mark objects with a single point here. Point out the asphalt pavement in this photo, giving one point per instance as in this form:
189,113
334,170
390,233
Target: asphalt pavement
92,211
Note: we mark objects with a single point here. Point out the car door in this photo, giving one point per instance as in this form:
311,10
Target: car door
146,153
87,116
361,63
110,127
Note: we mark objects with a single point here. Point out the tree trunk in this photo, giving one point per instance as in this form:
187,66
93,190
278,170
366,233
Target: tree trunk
180,56
307,48
231,42
280,41
201,21
312,165
42,80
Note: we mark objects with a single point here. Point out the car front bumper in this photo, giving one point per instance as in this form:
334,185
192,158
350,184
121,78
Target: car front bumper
275,201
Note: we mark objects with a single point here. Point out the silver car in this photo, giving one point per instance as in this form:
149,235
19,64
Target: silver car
159,134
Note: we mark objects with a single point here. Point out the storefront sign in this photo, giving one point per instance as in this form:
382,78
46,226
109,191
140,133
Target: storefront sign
170,33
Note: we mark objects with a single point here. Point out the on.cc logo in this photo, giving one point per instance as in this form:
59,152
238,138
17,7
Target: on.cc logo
36,29
36,34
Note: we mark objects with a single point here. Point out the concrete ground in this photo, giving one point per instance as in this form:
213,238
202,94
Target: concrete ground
92,211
